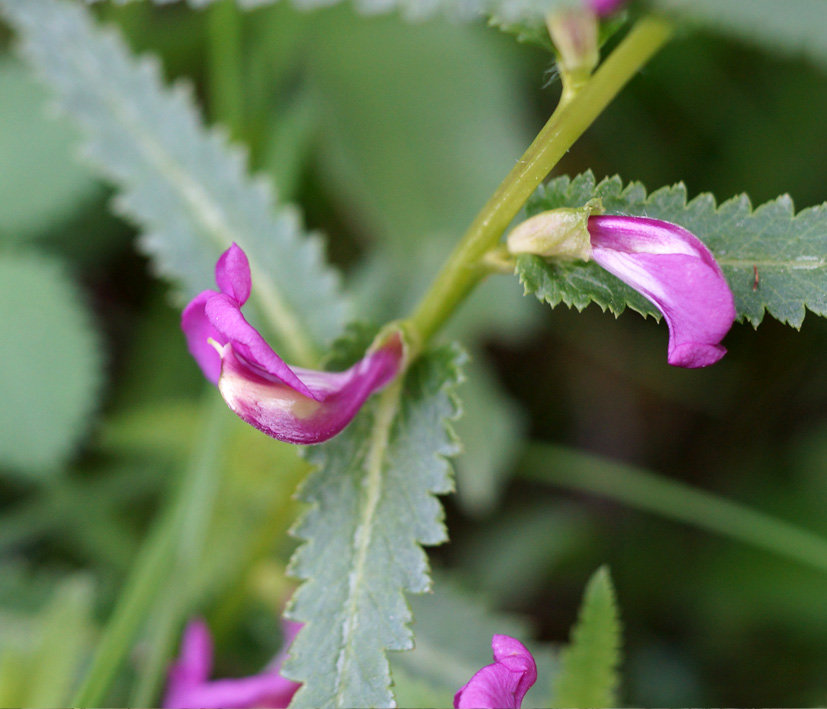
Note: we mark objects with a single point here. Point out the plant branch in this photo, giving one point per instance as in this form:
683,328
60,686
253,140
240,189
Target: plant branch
464,267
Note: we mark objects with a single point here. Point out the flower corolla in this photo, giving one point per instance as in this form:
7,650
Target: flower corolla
664,262
189,685
288,403
503,684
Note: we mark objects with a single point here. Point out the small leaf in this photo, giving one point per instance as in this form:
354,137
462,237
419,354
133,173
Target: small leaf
181,183
52,363
588,665
373,505
788,251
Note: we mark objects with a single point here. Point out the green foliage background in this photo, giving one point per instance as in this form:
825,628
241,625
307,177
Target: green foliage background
390,136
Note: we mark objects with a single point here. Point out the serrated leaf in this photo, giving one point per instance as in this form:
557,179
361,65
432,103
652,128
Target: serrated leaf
181,182
509,10
788,250
372,505
588,665
795,27
52,364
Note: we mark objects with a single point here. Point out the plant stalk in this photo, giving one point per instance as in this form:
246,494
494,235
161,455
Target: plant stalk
464,268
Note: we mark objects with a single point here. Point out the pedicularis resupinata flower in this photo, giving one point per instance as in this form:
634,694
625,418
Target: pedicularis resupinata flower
289,403
503,684
189,684
662,261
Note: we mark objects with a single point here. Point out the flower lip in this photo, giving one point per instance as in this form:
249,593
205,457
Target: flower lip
672,268
288,403
503,684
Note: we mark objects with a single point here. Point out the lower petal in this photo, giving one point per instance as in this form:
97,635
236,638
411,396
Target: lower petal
693,296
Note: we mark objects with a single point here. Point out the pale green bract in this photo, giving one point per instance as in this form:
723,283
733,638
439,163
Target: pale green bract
589,664
788,251
373,504
183,184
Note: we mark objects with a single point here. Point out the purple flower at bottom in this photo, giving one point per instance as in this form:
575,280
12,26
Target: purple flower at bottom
671,267
189,687
288,403
503,684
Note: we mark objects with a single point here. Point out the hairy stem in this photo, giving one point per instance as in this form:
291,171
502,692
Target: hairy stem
464,267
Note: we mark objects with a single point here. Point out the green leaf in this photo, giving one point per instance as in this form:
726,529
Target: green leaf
588,665
42,652
181,183
788,250
372,505
795,27
52,362
66,634
33,199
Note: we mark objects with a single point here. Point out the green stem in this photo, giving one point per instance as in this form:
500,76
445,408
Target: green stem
180,523
225,66
674,500
464,269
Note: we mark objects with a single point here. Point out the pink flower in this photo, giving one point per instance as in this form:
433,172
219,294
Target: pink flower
672,268
189,687
662,261
503,684
289,403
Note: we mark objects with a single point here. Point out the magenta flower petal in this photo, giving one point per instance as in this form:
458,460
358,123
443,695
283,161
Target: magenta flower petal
605,7
199,332
672,268
188,686
287,403
232,274
503,684
283,412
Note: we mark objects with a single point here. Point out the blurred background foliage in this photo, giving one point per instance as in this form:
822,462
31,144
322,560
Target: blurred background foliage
390,137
